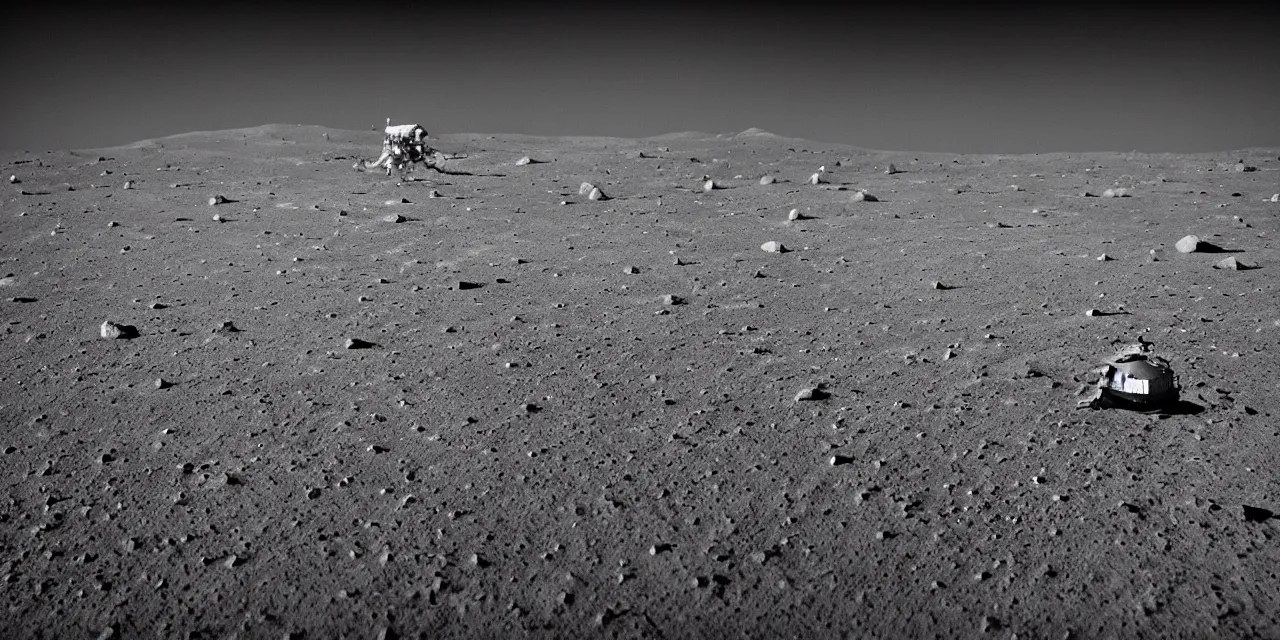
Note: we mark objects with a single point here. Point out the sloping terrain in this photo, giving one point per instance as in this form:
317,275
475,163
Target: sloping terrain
353,409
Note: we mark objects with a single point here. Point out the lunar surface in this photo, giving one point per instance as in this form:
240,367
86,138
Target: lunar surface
736,385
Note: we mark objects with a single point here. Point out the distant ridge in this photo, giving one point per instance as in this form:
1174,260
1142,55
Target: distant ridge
305,133
756,132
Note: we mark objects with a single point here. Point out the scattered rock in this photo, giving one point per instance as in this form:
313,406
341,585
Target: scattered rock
837,460
671,300
1093,313
773,246
357,343
811,393
1105,258
524,161
765,180
794,214
393,218
1241,167
863,196
941,287
226,327
128,184
630,270
161,383
1275,197
891,169
596,194
218,218
816,179
463,285
1118,192
1232,264
113,331
217,200
709,185
1188,244
433,194
585,188
15,180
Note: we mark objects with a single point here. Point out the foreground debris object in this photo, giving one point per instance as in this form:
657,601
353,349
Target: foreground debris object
1136,381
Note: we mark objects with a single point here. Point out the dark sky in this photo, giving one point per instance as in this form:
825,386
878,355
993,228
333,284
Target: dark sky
920,76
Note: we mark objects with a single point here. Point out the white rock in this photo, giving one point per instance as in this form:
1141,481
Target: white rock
773,246
1188,244
585,188
216,200
111,330
816,179
766,179
523,161
794,214
1230,263
709,185
596,194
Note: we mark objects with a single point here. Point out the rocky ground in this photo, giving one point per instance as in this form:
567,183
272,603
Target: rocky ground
481,404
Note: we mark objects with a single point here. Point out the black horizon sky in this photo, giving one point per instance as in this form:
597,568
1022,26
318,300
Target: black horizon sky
984,78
